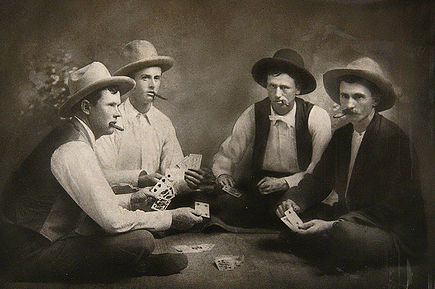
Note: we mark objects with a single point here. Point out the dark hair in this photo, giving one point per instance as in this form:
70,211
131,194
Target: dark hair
363,81
278,72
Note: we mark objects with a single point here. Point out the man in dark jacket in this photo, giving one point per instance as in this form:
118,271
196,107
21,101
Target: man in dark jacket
379,215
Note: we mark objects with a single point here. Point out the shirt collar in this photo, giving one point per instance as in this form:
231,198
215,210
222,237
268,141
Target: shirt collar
89,134
288,118
133,113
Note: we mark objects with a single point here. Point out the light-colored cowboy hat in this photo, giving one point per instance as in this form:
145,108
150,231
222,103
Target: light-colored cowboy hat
90,78
368,69
287,61
141,53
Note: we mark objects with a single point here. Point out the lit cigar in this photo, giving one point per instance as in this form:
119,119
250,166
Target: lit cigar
112,124
283,102
159,96
342,113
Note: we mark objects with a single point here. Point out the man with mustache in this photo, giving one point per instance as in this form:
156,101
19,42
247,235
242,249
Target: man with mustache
69,224
142,153
379,217
287,134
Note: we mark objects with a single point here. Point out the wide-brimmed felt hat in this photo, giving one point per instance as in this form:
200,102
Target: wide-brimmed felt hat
368,69
138,54
286,61
90,78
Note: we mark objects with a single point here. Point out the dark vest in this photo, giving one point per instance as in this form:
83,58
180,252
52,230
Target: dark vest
304,144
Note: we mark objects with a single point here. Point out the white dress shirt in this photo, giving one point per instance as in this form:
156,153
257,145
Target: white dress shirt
148,142
280,154
76,168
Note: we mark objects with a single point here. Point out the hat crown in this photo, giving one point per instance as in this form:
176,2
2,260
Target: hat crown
137,50
290,55
86,76
367,64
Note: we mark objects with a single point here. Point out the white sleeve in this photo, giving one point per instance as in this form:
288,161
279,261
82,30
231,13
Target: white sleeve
234,147
107,152
76,168
171,150
319,126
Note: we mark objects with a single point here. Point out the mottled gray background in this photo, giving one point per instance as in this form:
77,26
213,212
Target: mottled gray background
214,44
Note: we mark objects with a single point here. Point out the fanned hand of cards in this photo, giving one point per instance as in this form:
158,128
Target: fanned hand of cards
292,220
192,161
164,190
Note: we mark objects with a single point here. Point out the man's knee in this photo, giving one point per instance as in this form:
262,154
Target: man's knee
143,239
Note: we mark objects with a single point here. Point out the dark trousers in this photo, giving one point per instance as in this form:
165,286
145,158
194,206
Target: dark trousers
31,257
347,244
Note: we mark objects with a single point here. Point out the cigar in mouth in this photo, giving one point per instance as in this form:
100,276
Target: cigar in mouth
283,102
159,96
343,113
112,124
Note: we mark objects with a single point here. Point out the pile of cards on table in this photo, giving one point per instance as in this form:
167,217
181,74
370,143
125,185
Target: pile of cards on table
232,191
164,189
194,248
292,220
228,262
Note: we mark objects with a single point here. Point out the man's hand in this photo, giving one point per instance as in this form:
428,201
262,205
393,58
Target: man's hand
148,180
315,227
185,218
225,180
193,178
284,206
142,199
269,185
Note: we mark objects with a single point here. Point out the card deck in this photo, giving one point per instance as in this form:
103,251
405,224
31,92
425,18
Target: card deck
194,248
203,208
232,191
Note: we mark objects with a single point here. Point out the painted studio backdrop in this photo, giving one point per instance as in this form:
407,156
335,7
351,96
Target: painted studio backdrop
214,44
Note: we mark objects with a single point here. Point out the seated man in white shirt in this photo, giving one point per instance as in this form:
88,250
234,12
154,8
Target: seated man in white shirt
288,136
148,147
69,224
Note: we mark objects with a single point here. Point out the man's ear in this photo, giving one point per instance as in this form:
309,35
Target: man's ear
377,99
85,105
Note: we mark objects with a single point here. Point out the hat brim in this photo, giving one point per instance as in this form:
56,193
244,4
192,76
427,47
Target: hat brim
332,86
123,83
164,62
265,65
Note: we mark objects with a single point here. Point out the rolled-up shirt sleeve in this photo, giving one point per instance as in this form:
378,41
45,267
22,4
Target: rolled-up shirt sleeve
76,168
234,147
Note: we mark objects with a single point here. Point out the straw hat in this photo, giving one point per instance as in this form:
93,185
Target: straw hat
141,53
287,61
368,69
90,78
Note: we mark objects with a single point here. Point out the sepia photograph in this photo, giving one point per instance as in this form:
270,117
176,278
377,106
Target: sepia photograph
217,144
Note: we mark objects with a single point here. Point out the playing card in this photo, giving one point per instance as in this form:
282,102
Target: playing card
232,191
174,174
293,218
195,161
194,248
161,187
203,208
160,204
184,163
225,263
